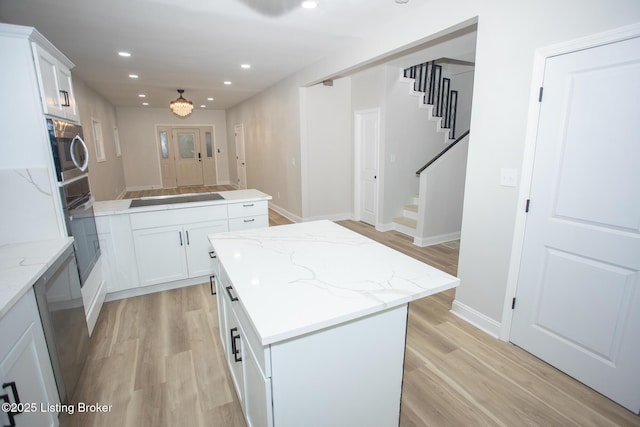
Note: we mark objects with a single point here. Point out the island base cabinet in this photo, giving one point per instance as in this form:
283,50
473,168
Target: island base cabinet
347,375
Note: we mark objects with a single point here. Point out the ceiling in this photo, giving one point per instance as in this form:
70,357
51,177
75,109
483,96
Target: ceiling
196,45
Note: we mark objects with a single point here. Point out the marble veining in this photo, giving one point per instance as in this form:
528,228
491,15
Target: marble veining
297,278
22,264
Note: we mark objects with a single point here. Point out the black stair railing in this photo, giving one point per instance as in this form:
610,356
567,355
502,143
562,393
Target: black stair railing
437,92
440,154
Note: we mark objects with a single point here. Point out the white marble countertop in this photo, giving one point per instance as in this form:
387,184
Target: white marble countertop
121,206
22,264
299,278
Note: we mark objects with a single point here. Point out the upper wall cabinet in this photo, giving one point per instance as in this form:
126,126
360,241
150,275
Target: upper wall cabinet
56,88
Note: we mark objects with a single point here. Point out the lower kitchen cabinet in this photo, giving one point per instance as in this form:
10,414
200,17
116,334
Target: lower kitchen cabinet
26,375
176,252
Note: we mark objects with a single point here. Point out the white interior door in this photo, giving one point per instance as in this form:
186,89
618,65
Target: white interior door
578,297
368,136
188,157
241,165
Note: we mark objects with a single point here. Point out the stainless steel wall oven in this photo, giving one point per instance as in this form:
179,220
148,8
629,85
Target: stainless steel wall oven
71,159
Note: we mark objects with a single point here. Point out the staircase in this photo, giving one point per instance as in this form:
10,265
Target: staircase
435,93
407,223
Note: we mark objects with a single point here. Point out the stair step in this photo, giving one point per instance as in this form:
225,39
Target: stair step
407,222
410,211
415,199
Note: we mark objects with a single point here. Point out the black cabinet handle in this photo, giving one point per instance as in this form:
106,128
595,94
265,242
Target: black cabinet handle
66,102
12,422
187,233
228,288
234,346
249,220
180,234
16,400
247,206
212,254
211,279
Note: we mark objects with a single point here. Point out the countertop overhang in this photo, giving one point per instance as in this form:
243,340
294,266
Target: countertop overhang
299,278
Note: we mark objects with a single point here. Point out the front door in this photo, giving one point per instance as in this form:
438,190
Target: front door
578,298
188,156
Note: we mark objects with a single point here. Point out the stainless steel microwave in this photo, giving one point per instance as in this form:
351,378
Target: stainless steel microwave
70,154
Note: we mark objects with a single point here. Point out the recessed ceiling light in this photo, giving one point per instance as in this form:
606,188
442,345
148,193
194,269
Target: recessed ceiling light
145,103
124,54
227,82
309,4
245,66
142,95
133,76
210,99
203,106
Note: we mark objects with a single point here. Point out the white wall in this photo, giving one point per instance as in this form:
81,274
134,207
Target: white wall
106,178
139,145
327,154
508,34
441,197
272,144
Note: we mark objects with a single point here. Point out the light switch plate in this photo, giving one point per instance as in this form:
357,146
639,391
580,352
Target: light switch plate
508,177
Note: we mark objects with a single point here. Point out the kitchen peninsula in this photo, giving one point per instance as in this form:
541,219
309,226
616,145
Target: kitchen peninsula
157,243
313,321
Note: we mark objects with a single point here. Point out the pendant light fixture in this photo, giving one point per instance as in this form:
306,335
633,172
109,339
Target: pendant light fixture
181,107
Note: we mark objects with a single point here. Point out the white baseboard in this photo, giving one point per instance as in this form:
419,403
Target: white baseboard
121,195
333,217
435,240
144,187
384,227
284,212
476,318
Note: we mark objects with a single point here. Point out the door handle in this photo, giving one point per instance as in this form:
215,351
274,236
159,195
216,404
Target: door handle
199,157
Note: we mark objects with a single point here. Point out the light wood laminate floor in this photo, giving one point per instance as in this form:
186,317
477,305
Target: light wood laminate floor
157,360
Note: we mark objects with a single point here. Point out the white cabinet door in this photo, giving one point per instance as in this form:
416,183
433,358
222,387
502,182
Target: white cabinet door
47,71
258,407
25,368
56,88
22,368
160,254
197,246
65,86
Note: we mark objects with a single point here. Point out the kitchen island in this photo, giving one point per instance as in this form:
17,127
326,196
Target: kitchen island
157,243
313,317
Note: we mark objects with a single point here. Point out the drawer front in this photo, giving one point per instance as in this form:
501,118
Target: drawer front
177,216
246,223
239,210
260,352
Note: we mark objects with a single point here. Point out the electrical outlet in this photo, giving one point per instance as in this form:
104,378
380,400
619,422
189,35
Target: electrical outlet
508,177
